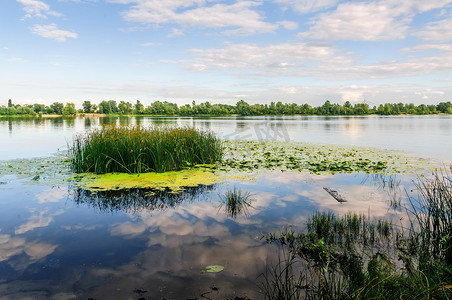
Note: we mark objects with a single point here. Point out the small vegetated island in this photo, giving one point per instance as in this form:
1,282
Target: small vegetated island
138,157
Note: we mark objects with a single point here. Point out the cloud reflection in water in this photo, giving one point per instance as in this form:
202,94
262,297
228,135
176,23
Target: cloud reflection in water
110,243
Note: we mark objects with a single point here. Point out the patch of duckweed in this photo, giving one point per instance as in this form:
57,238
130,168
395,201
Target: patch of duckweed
297,156
174,181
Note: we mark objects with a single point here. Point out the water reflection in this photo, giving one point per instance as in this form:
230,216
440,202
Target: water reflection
136,200
106,245
88,123
389,184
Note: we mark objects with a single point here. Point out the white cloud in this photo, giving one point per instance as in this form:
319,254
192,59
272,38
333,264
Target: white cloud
371,21
353,95
289,25
440,31
33,223
52,32
128,229
277,57
51,195
35,8
359,21
38,250
236,18
415,6
307,6
176,32
318,60
147,44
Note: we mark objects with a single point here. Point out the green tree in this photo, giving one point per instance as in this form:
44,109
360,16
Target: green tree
11,111
57,107
38,108
108,107
157,108
325,109
125,108
186,110
69,109
87,107
49,110
242,108
138,108
444,106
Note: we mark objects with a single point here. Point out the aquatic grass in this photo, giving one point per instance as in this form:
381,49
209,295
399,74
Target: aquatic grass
431,215
286,279
135,149
236,201
351,257
356,257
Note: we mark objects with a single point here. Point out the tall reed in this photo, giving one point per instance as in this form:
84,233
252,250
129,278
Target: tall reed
355,257
135,149
431,213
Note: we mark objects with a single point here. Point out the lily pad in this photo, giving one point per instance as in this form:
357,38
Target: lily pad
214,268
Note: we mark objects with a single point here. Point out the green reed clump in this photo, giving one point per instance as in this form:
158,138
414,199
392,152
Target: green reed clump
431,213
236,201
355,257
135,149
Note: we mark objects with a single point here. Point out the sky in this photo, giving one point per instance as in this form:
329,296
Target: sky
292,51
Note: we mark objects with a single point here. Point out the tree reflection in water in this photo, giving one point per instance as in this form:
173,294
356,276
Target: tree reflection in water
136,200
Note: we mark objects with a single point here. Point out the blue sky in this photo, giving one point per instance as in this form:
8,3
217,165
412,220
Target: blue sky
298,51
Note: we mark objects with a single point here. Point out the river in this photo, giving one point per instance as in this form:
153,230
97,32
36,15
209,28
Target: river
56,241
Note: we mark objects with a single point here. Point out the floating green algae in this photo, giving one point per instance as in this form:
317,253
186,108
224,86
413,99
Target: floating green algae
174,181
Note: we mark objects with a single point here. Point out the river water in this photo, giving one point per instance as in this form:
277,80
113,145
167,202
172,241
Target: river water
61,243
429,136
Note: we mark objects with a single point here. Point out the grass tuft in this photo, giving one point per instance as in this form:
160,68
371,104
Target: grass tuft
134,149
236,201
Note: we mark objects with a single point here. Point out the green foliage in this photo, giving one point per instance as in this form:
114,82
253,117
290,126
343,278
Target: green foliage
354,257
236,201
57,107
125,108
69,109
134,149
432,212
138,108
242,108
88,107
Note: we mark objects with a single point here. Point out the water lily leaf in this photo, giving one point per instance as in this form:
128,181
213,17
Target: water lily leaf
214,268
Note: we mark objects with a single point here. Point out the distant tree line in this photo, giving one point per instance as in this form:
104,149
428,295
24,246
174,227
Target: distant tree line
241,108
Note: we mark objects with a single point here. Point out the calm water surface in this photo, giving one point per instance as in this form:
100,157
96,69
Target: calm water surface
429,136
64,243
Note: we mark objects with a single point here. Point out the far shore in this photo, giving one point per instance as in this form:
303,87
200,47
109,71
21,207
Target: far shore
93,115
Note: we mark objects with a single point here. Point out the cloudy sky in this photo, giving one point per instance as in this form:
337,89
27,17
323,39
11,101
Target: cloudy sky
303,51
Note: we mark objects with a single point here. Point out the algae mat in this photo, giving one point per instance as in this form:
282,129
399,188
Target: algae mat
174,181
